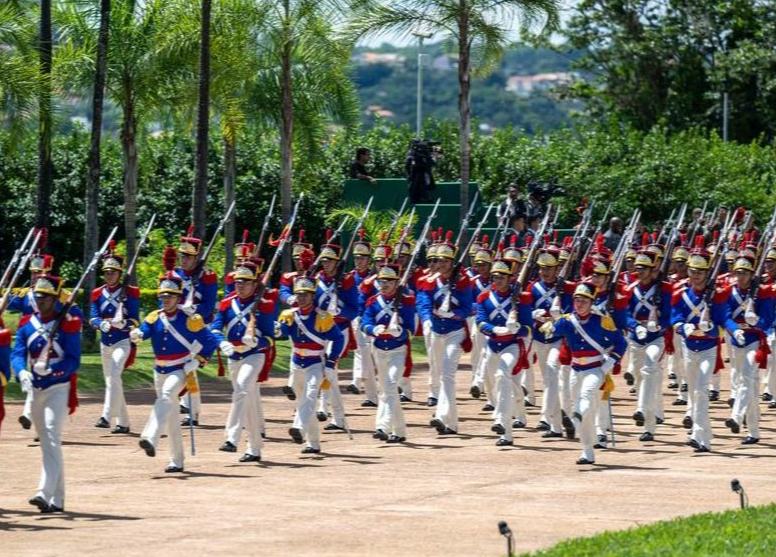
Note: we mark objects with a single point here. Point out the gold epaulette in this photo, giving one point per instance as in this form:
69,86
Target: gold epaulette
608,323
324,322
152,317
287,316
195,323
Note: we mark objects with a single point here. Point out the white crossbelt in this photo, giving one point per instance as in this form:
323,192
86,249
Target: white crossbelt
695,311
588,339
302,327
545,295
41,329
193,347
643,299
499,308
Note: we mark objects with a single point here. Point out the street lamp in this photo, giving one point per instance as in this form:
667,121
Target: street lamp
419,105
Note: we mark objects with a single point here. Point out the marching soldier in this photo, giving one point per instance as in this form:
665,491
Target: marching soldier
199,296
698,324
427,281
504,349
746,326
181,343
339,298
363,367
647,316
769,278
596,346
244,327
675,364
242,251
310,332
444,303
482,376
390,344
115,309
50,382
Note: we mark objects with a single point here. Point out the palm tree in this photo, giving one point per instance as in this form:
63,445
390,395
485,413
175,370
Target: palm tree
479,28
146,62
45,163
199,193
302,79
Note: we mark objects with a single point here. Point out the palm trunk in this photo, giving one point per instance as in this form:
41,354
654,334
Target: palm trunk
92,225
230,173
129,150
45,164
464,108
286,133
199,201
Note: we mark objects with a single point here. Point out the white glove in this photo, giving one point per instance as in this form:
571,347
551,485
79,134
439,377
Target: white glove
426,328
41,369
705,326
25,380
227,348
188,308
190,366
105,326
608,364
136,336
740,337
512,326
640,331
653,326
379,330
118,323
539,315
394,332
554,311
688,329
291,300
501,331
751,318
250,341
443,314
548,329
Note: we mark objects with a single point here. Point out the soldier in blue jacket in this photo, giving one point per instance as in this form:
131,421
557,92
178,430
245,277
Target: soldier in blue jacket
114,311
52,383
245,326
310,332
389,347
596,346
181,343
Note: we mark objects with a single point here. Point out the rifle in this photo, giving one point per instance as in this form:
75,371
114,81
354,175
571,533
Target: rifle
619,257
122,297
15,259
467,217
596,232
697,224
394,323
501,228
340,266
664,264
19,268
265,227
717,259
569,264
317,263
204,256
404,233
48,349
765,240
396,218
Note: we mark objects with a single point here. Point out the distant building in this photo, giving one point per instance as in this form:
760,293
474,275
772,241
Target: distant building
379,111
525,85
444,63
385,58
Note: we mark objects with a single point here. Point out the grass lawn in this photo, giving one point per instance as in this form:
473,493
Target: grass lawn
749,532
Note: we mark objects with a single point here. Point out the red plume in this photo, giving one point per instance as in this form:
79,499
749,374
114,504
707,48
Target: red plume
645,239
43,238
169,257
567,241
433,236
546,239
739,215
753,236
301,235
554,236
449,236
599,242
700,241
245,251
190,231
682,238
501,246
526,241
485,240
245,236
361,233
440,234
329,234
715,236
111,246
654,237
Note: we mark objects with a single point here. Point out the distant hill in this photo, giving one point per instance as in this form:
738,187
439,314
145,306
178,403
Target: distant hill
518,93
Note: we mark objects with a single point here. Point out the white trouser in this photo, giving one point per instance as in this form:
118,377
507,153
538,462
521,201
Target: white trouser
527,380
48,413
193,404
332,396
27,409
770,374
679,363
699,367
747,392
632,369
585,386
291,371
433,368
113,359
547,354
390,367
307,384
603,421
566,400
484,375
164,414
363,365
509,400
246,402
478,343
646,363
447,352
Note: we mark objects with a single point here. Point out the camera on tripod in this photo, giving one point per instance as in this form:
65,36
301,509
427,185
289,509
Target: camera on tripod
421,159
543,191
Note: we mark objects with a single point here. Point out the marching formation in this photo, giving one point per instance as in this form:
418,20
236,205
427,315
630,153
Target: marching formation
655,306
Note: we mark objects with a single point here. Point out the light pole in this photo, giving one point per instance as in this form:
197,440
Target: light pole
419,102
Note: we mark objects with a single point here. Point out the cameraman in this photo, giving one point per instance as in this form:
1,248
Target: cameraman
539,195
358,166
511,206
421,159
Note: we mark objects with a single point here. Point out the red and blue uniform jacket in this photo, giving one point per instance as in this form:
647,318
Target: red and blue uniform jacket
177,338
636,305
763,307
688,305
105,304
479,284
205,291
600,329
493,309
431,294
31,340
379,310
345,292
232,320
540,295
309,342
